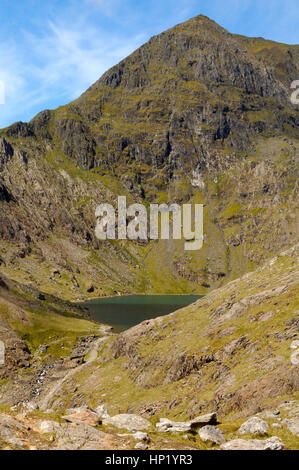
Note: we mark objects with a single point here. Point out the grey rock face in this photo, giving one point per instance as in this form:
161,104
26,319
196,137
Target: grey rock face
6,152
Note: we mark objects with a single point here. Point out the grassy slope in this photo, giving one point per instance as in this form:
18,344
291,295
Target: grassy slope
51,321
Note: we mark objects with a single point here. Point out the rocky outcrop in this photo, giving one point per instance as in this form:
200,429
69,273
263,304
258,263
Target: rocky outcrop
292,424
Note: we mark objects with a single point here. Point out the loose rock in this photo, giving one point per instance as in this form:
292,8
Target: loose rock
166,425
273,443
254,426
141,436
211,434
141,446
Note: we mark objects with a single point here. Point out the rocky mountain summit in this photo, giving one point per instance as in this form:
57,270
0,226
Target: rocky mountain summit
196,115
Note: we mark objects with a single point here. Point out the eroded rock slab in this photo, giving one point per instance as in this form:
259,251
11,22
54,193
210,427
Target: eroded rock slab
204,420
273,443
131,422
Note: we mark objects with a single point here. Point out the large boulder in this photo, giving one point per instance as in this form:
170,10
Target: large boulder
130,422
47,427
72,436
211,434
273,443
254,426
141,446
204,420
166,425
293,425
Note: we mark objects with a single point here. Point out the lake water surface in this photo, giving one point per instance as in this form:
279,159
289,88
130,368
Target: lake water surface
123,312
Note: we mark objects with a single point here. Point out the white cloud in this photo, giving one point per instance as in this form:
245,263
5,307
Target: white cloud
79,56
64,62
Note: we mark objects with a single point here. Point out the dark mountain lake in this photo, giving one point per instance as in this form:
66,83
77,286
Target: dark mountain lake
123,312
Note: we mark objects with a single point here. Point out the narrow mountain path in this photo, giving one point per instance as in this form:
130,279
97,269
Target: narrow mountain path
43,402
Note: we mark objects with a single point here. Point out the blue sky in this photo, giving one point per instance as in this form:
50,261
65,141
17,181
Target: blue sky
52,50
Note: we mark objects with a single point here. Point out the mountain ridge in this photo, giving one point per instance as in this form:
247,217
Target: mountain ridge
184,118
